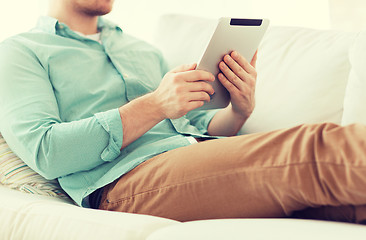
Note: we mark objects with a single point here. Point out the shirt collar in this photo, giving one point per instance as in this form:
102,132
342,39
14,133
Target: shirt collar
104,23
47,24
52,25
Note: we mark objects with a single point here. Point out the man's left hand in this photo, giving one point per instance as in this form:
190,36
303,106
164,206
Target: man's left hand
239,77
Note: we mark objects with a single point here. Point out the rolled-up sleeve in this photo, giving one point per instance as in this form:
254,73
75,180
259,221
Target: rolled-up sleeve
30,121
111,123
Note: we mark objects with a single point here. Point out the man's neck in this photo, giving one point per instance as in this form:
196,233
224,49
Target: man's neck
86,26
77,21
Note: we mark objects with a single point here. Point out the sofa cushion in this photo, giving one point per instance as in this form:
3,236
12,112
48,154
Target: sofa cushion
302,76
302,73
30,216
260,229
15,174
355,99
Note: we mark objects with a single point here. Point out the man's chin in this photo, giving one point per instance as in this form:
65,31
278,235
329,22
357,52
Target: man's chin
97,12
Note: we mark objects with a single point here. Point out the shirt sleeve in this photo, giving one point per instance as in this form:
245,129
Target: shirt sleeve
201,119
31,125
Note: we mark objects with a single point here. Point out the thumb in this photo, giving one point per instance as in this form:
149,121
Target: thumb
184,68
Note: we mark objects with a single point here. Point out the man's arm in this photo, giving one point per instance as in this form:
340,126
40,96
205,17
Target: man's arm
239,77
180,91
31,124
30,121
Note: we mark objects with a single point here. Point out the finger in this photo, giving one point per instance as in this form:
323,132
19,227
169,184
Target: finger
232,89
231,76
197,75
227,84
201,86
184,68
194,104
240,72
243,62
236,68
254,59
199,96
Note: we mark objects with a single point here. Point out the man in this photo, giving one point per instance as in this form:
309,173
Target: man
97,109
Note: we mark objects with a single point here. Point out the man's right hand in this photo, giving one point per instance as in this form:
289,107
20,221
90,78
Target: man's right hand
182,90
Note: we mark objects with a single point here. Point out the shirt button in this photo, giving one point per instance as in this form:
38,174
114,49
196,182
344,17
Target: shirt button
125,75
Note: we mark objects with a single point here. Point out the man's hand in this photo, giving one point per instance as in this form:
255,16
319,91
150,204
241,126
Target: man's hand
182,90
239,78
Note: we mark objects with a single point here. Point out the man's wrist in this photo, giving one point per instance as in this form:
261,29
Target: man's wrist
239,117
154,106
138,117
147,104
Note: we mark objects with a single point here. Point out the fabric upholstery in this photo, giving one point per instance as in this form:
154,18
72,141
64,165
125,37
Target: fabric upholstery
15,174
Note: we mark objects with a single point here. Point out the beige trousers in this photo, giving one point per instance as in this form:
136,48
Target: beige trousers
273,174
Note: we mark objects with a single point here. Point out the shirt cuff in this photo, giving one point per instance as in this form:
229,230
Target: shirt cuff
112,124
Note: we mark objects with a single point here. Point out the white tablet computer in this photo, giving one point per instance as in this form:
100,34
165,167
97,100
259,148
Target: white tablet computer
241,35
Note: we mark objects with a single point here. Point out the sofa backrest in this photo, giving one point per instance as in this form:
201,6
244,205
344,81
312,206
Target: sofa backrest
302,73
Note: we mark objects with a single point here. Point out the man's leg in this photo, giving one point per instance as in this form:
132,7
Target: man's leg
258,175
346,213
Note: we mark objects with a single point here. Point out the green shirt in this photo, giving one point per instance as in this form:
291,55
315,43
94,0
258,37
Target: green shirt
59,99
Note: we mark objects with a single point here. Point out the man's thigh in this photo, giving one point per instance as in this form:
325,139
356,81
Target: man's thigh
258,175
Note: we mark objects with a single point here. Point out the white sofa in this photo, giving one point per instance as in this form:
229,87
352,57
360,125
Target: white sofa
304,76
